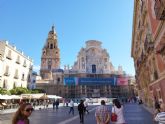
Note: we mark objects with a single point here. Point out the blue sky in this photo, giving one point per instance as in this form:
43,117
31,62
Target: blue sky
26,25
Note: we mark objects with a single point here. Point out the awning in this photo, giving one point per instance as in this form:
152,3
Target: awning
54,97
5,97
34,96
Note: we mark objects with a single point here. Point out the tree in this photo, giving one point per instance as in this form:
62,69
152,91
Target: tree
19,91
4,91
37,91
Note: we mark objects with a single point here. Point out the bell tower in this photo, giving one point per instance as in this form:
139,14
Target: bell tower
50,58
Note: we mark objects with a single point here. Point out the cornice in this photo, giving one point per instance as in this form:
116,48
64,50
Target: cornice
134,26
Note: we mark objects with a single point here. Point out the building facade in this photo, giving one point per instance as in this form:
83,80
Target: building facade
15,67
93,74
148,49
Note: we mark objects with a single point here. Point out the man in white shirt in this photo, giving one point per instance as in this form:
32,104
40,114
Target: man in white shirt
71,104
86,105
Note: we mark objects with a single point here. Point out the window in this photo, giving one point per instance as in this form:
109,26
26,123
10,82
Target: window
14,85
105,66
24,63
83,65
44,52
93,68
29,78
23,75
16,74
9,55
58,79
5,84
7,71
49,64
155,75
51,46
18,60
105,59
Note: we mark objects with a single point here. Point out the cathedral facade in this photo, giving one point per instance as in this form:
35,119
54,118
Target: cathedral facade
92,74
93,59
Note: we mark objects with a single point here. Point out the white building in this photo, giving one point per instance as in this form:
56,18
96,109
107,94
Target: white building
15,67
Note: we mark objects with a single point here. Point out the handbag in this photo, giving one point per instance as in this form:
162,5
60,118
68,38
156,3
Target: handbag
114,116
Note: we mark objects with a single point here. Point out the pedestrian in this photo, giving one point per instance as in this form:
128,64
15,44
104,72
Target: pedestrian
86,106
47,104
118,110
54,103
160,117
81,110
102,114
71,104
22,114
34,104
57,103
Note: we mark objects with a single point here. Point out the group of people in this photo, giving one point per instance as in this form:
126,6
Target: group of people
104,115
102,112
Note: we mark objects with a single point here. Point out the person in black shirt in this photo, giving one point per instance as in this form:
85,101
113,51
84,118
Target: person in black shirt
81,109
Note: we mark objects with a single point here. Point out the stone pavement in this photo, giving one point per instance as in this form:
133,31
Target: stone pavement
134,114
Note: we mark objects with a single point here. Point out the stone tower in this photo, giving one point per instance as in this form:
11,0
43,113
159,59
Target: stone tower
50,59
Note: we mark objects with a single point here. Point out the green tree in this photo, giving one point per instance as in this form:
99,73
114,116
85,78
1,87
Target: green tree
37,91
19,91
4,91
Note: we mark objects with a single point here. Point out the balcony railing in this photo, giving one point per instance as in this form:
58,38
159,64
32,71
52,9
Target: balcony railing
16,77
9,57
160,9
18,62
6,74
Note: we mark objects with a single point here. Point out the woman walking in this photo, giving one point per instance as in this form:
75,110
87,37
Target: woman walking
22,114
118,110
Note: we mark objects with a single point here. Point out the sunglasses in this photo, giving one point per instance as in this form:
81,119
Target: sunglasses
29,109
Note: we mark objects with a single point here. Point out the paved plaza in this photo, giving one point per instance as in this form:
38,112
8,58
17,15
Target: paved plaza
134,114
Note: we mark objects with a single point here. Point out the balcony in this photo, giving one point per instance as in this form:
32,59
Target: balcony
9,57
18,62
16,76
6,74
24,65
160,9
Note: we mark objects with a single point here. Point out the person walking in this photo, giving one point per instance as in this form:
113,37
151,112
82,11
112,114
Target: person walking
57,104
22,114
102,114
81,110
118,110
71,107
86,106
54,103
